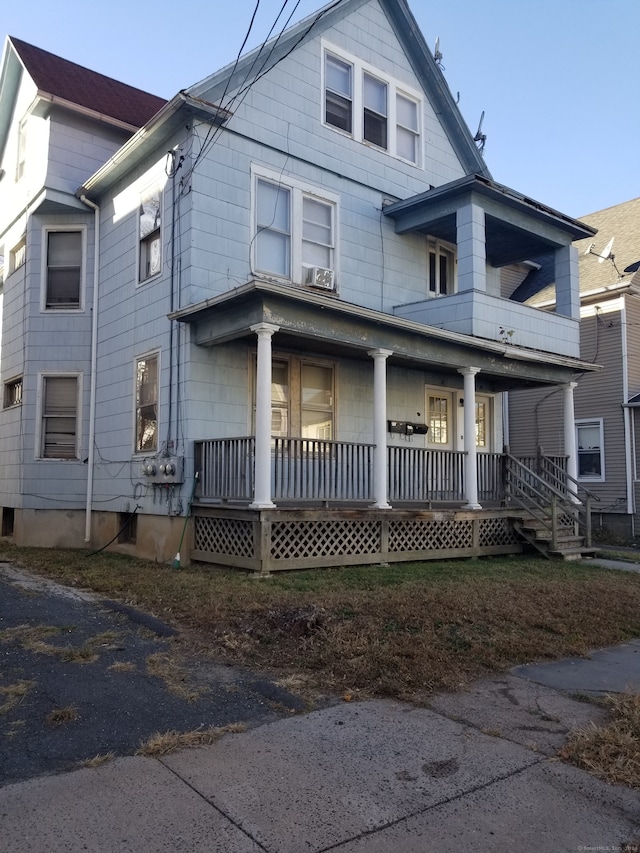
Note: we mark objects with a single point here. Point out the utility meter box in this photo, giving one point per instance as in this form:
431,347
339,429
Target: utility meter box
163,469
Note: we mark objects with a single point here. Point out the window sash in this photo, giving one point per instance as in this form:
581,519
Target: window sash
149,235
590,448
338,109
440,269
146,404
13,393
375,111
59,417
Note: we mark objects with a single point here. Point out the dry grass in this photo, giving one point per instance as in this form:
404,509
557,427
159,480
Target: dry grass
13,694
167,667
122,666
166,742
401,631
610,751
62,715
98,760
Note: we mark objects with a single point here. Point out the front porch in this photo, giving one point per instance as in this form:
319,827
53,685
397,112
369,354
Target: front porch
322,513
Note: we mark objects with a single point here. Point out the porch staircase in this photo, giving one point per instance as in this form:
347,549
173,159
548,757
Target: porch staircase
551,511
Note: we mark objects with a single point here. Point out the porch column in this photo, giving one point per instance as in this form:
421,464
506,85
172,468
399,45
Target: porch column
262,479
380,485
471,453
567,285
570,431
472,248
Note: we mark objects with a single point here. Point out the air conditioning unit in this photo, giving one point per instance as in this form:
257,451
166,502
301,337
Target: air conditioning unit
319,277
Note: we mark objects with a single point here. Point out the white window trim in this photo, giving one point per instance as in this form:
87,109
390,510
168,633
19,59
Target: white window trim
394,87
21,244
434,244
599,422
149,190
46,230
53,374
139,454
299,189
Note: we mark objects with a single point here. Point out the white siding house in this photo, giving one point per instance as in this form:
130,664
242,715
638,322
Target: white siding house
302,333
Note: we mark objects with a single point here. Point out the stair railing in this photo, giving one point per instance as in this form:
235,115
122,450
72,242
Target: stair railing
553,499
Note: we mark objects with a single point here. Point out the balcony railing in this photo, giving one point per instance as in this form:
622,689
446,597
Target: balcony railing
312,470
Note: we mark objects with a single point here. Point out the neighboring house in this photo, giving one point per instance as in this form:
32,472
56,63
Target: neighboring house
303,315
607,422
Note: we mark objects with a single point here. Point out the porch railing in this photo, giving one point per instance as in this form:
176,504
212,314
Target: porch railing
306,469
317,470
553,497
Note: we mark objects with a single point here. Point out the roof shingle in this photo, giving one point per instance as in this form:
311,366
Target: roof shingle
71,82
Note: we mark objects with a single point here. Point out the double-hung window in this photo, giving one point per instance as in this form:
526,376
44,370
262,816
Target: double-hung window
64,270
302,398
338,93
12,393
146,427
59,419
440,268
149,236
371,106
295,232
590,449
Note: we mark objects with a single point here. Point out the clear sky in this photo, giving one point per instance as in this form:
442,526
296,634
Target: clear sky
558,80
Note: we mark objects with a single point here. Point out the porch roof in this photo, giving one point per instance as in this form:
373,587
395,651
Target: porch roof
325,324
517,228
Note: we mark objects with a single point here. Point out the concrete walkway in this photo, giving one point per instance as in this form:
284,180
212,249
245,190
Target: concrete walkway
476,771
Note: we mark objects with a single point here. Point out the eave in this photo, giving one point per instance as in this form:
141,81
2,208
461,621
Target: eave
162,127
517,227
328,324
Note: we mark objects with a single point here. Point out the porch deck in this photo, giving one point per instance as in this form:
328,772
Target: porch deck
323,491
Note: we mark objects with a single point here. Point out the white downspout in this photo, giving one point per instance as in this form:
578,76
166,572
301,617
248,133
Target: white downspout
628,458
94,367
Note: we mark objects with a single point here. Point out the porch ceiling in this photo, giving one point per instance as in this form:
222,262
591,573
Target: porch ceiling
324,324
517,228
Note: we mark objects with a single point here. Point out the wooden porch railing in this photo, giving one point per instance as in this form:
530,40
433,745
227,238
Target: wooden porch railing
317,470
552,497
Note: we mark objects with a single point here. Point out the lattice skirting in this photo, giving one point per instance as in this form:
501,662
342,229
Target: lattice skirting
271,540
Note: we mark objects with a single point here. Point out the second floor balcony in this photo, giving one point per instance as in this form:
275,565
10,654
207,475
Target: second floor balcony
492,227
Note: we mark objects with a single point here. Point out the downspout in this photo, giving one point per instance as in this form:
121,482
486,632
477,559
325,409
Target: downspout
94,366
628,463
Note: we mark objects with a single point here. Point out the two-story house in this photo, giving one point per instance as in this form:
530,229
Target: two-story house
606,403
301,336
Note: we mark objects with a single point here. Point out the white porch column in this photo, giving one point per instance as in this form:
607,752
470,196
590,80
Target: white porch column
380,485
262,482
470,459
570,431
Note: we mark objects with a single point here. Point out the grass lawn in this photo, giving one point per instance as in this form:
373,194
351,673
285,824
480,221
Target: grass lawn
401,631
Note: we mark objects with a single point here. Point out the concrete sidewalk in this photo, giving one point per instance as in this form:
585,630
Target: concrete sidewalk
476,771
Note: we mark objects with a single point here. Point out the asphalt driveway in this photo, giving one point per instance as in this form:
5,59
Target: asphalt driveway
82,677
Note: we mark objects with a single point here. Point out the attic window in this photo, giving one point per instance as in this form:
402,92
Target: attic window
371,107
150,220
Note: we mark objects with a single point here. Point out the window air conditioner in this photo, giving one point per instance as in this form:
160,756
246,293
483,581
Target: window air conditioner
319,277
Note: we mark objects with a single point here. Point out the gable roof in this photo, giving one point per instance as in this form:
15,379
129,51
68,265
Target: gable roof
259,61
74,84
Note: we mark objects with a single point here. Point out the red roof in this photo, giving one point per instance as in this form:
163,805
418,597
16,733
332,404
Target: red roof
86,88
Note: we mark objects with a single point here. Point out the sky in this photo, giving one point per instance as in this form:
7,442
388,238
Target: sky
558,81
